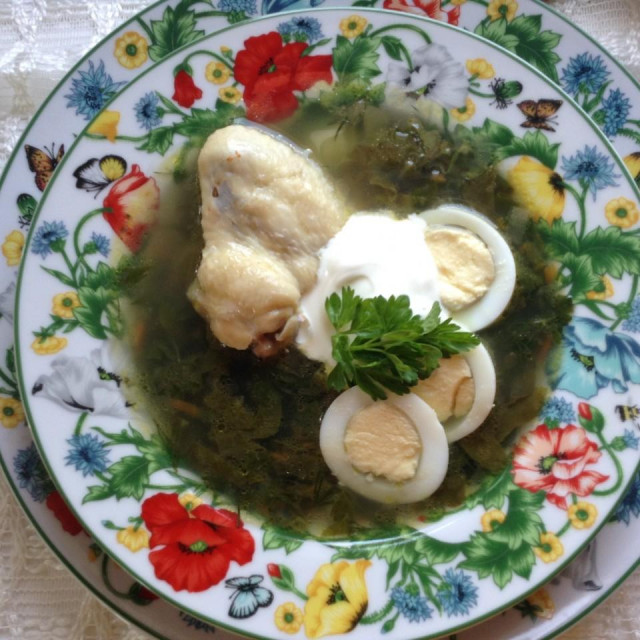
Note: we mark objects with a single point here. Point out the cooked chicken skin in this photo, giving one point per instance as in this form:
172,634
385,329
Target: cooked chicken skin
266,212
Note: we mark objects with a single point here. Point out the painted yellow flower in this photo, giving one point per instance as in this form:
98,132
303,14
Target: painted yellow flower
134,539
462,114
632,161
538,189
12,247
224,49
49,345
190,501
481,68
492,518
288,618
338,598
622,212
542,603
11,412
106,124
217,72
607,291
582,515
131,50
550,548
229,94
502,9
353,26
64,304
457,3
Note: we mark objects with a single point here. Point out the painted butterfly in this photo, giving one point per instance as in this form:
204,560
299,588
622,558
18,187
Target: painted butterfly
95,174
247,596
539,113
42,163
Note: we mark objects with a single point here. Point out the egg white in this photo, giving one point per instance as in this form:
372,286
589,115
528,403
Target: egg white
488,308
434,457
484,379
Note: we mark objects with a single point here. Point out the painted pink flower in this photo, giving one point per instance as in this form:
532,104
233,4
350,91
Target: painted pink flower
556,461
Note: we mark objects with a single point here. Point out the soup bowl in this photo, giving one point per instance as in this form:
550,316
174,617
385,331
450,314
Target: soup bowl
548,483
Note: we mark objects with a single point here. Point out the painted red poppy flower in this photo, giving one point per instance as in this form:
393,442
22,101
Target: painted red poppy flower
198,543
133,203
185,92
271,71
555,461
430,8
61,511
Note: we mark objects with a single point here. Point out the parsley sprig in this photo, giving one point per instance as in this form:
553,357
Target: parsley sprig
380,344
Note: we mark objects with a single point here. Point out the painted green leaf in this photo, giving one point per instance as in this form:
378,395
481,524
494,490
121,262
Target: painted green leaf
93,305
492,491
131,436
532,144
612,252
522,525
489,557
129,477
10,360
62,277
156,454
533,46
158,140
496,31
356,58
583,277
98,492
103,276
27,206
177,28
393,47
495,132
201,123
436,551
560,238
276,538
392,570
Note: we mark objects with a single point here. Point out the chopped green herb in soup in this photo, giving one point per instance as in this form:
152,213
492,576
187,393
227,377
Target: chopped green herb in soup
247,419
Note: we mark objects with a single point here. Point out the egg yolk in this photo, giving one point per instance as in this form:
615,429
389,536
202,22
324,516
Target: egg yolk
382,440
449,390
465,265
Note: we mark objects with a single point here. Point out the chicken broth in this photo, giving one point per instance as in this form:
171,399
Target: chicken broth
249,426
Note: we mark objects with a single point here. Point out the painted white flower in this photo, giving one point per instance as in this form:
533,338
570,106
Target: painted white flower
84,384
435,75
7,302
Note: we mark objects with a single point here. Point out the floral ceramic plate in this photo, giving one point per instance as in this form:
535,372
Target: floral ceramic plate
576,55
114,470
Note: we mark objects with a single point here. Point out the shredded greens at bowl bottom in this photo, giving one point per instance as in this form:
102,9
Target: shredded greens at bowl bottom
249,427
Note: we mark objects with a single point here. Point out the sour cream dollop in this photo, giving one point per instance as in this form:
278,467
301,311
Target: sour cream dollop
376,255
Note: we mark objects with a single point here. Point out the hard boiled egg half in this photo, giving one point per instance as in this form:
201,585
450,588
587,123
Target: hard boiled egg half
392,451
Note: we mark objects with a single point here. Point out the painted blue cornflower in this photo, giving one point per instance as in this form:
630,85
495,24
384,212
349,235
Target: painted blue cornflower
584,72
31,474
45,237
631,440
301,29
457,594
632,323
147,113
630,503
247,7
616,107
101,242
557,410
594,170
92,90
592,357
412,606
87,454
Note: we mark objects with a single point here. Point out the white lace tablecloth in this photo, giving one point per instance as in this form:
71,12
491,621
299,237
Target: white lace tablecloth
39,41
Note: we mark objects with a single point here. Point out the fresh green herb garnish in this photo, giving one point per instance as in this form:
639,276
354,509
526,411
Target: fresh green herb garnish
381,344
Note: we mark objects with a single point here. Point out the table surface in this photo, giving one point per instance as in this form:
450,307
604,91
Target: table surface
38,596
